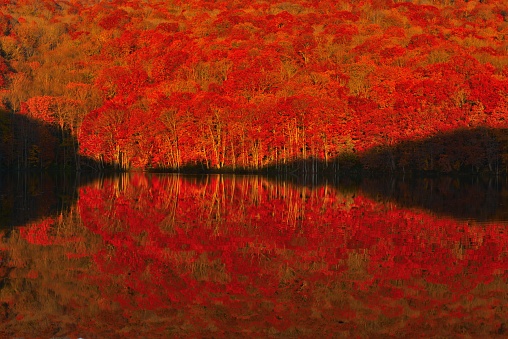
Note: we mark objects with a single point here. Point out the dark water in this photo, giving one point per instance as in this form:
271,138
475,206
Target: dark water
143,256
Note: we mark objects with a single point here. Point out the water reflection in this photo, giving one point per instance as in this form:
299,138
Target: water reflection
162,256
29,196
481,199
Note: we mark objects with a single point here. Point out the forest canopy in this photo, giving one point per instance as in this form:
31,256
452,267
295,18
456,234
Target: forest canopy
250,85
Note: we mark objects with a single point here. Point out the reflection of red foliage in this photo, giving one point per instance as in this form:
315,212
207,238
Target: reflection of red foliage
167,240
38,233
245,243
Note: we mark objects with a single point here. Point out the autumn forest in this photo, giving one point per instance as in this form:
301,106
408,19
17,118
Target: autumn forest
100,99
247,86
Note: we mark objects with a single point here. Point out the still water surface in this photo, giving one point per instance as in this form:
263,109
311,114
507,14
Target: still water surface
147,256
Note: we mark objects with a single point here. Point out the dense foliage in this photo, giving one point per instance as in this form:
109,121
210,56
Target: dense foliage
230,84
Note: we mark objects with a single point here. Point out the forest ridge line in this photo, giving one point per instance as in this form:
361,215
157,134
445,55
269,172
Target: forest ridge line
230,86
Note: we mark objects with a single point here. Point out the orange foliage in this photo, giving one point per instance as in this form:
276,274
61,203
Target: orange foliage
410,71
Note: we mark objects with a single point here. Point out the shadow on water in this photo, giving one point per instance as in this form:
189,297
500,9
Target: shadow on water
28,196
40,170
479,198
483,199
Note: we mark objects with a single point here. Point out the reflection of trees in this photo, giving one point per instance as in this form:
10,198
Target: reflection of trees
43,292
191,256
461,197
29,196
26,196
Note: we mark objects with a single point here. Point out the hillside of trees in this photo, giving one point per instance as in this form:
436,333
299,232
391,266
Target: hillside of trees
173,256
230,85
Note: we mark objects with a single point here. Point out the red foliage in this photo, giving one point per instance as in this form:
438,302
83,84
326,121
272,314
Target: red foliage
40,108
411,70
174,244
117,19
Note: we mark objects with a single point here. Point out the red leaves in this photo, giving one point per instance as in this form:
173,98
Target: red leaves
417,69
40,108
422,41
170,27
122,82
4,71
304,45
165,66
117,19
